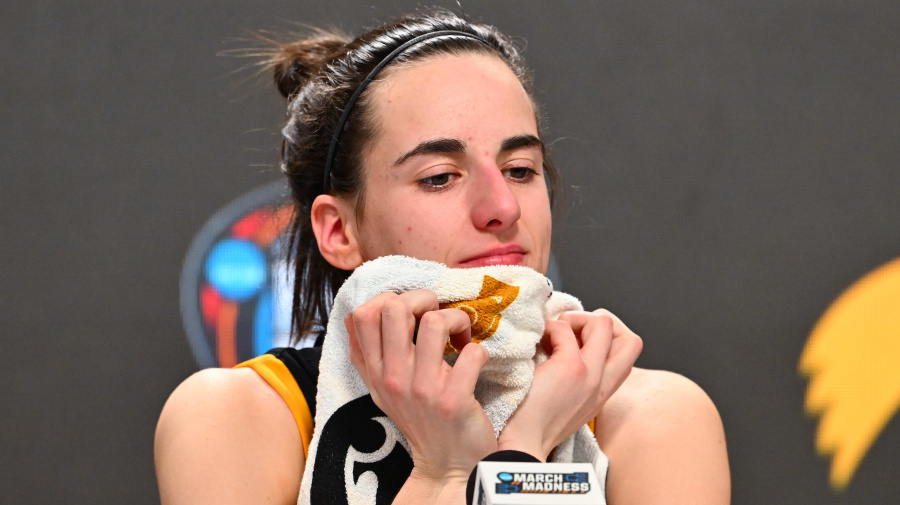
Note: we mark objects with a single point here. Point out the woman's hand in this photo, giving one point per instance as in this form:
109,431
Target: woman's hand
590,356
432,403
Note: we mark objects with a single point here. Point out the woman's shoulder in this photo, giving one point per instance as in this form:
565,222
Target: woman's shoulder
654,403
221,428
661,427
659,392
234,398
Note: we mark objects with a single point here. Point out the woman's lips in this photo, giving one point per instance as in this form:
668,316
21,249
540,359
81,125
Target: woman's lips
492,258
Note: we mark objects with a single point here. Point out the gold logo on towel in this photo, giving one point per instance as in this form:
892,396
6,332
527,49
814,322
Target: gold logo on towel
484,311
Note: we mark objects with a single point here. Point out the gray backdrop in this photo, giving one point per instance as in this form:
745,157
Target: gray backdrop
733,167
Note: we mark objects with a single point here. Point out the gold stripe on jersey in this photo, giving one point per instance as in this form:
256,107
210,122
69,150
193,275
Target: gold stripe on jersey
276,373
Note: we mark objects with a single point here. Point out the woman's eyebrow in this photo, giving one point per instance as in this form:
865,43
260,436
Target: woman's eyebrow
433,146
520,141
457,146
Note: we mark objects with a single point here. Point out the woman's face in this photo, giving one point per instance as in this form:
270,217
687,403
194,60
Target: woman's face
455,173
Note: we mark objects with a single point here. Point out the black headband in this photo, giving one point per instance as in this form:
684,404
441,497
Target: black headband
332,149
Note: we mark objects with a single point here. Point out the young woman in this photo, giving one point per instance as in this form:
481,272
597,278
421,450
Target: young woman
438,157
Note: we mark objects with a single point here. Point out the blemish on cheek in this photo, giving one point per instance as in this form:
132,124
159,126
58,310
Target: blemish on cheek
400,242
409,228
486,153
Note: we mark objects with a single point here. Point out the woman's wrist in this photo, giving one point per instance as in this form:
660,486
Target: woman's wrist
533,449
425,487
530,443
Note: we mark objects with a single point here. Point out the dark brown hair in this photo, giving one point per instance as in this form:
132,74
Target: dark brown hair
317,75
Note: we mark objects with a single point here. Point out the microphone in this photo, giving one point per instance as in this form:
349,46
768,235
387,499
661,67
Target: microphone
522,480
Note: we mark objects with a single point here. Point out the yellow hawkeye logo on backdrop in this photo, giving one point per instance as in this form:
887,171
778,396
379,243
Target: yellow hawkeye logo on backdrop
852,360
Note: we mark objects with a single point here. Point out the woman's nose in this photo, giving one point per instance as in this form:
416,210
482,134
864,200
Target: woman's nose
496,205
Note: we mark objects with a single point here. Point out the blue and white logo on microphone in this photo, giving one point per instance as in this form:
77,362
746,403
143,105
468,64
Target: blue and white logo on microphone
538,482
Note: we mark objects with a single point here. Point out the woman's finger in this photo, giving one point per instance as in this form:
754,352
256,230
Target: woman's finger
434,329
397,326
398,323
468,366
559,338
420,301
577,319
625,348
624,351
356,356
595,333
460,338
618,326
366,321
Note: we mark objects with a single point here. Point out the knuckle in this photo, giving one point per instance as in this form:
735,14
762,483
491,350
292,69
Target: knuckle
473,353
365,312
579,370
479,352
427,294
573,315
394,303
457,315
556,324
447,406
604,317
420,392
432,322
637,343
392,386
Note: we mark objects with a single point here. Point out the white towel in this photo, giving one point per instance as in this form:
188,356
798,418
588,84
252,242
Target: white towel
357,455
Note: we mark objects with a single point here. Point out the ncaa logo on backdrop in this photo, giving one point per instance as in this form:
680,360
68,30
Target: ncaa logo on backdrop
852,359
235,287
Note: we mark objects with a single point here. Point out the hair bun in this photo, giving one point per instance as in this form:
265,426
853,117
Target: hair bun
297,62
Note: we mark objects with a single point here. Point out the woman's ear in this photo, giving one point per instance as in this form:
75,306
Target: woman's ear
335,230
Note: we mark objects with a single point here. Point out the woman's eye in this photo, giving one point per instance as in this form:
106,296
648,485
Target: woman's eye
520,173
436,181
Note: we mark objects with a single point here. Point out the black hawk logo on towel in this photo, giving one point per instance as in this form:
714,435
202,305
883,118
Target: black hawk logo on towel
353,425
